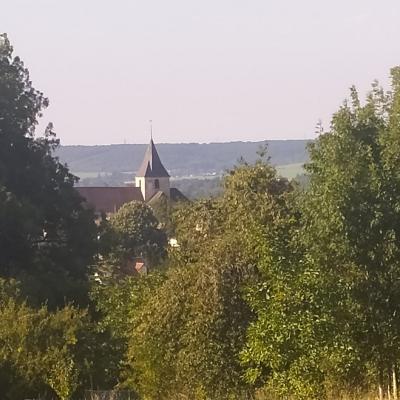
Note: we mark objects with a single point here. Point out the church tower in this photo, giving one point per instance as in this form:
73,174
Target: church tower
152,177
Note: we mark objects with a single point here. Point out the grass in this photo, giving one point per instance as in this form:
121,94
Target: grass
290,171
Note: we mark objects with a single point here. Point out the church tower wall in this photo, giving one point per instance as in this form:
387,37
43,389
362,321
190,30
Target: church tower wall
150,186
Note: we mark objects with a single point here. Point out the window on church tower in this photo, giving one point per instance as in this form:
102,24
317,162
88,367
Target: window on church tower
156,184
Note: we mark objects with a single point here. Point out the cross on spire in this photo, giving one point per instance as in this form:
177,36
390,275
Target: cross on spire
151,129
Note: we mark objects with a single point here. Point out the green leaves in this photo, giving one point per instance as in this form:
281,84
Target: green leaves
188,333
47,238
327,318
135,232
37,349
291,292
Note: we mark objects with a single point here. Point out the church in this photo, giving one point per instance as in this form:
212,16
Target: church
152,182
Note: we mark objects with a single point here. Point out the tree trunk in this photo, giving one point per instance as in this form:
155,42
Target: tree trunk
394,383
380,392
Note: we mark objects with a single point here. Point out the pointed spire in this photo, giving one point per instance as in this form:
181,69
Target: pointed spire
151,165
151,130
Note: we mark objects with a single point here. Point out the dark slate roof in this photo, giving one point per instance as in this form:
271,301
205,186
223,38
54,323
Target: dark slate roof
177,195
157,196
109,199
151,165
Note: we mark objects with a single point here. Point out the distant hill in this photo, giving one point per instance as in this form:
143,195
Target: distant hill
183,159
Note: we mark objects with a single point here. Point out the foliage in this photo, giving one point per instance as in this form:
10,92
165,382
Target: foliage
195,188
274,290
162,208
327,314
47,237
187,337
116,300
357,226
185,341
37,350
116,291
136,233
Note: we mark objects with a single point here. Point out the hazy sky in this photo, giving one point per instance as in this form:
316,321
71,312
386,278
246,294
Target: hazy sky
204,70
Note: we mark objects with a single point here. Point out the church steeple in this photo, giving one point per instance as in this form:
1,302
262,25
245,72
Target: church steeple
152,176
151,165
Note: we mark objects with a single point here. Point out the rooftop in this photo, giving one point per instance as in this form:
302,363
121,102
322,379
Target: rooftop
151,164
109,199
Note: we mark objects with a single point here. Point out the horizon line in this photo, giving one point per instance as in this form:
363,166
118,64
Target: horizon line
183,143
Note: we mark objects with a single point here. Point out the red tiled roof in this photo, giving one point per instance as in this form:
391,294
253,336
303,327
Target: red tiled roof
139,265
109,199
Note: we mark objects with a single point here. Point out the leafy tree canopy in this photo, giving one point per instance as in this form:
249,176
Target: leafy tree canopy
47,237
38,348
327,310
187,336
136,232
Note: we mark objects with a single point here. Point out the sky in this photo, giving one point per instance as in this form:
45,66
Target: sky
201,70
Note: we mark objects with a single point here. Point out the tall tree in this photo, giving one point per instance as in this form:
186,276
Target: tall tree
354,173
187,336
132,232
47,238
330,317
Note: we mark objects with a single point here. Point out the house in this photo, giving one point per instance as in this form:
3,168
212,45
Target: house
152,182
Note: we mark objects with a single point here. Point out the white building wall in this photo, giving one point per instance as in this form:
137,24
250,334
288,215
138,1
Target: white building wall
148,186
139,182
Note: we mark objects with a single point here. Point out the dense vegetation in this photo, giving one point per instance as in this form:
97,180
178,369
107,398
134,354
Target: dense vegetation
272,291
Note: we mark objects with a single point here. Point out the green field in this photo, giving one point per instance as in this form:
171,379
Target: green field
95,174
290,171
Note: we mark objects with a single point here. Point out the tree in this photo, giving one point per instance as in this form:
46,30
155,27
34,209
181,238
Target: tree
132,232
37,352
187,336
362,218
358,223
135,232
47,238
117,304
329,318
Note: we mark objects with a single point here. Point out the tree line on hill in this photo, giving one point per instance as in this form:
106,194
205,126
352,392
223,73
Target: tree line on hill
272,291
181,159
